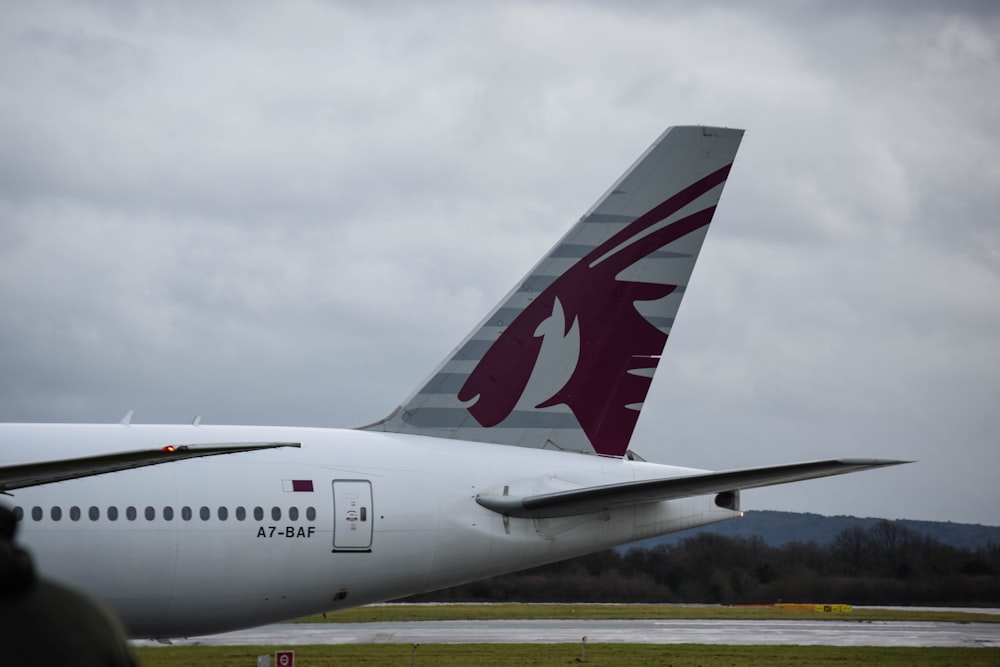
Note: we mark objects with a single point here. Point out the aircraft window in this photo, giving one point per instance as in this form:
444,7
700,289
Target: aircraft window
186,513
36,513
74,513
18,513
112,513
293,513
205,513
130,513
168,513
223,514
56,513
150,513
94,513
241,513
258,513
311,513
276,513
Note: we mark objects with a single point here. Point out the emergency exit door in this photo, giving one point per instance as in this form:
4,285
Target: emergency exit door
352,512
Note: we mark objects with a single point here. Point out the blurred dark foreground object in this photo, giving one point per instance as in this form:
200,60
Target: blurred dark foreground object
45,623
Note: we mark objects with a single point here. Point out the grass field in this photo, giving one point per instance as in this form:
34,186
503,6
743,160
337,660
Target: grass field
482,612
604,655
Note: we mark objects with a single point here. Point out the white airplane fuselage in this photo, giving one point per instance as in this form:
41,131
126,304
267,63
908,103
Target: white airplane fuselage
350,517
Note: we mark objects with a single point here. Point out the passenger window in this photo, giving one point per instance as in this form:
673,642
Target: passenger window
258,513
74,513
311,513
293,513
130,513
241,513
94,513
18,513
150,513
36,513
186,513
223,514
168,513
205,513
112,513
276,513
56,513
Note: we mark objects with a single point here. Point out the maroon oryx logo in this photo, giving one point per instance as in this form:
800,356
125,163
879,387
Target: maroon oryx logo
618,347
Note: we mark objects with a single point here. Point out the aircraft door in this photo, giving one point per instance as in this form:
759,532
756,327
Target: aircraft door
352,512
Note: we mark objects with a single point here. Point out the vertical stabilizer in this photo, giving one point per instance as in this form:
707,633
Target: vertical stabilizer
566,359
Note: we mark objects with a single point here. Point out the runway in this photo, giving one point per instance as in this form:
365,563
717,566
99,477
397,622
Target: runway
802,633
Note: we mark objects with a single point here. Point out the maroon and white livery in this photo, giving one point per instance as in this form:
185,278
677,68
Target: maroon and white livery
566,360
251,525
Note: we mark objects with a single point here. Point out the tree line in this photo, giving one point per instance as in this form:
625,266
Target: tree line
886,564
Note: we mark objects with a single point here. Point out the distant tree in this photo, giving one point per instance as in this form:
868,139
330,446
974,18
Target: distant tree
851,550
883,564
890,545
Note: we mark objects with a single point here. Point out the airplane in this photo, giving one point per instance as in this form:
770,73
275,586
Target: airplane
513,453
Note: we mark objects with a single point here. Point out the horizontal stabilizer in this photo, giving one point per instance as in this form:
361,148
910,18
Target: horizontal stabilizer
45,472
599,498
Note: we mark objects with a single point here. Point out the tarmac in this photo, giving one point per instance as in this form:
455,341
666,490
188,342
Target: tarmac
802,633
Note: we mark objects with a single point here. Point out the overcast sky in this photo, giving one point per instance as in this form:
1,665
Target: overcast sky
288,213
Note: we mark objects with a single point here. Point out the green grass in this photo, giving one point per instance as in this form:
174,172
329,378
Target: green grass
598,655
484,612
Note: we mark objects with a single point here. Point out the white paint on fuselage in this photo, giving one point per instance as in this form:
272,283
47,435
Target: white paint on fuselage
178,578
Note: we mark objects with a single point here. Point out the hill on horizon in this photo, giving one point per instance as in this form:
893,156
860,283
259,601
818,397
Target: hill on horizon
778,528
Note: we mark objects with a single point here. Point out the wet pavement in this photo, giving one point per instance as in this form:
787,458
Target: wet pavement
803,633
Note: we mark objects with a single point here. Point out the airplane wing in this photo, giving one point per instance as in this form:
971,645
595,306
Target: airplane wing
45,472
598,498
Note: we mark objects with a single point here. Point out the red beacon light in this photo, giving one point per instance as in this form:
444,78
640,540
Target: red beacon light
169,449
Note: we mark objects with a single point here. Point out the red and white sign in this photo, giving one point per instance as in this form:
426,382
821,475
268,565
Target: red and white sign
284,658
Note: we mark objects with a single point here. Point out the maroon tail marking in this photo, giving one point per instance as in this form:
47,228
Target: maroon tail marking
614,337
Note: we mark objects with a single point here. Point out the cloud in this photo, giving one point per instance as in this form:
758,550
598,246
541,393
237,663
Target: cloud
287,214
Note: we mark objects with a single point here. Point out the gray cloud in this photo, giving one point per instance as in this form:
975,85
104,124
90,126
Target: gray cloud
287,214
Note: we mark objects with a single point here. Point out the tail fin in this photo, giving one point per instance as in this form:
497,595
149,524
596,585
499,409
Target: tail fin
566,359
